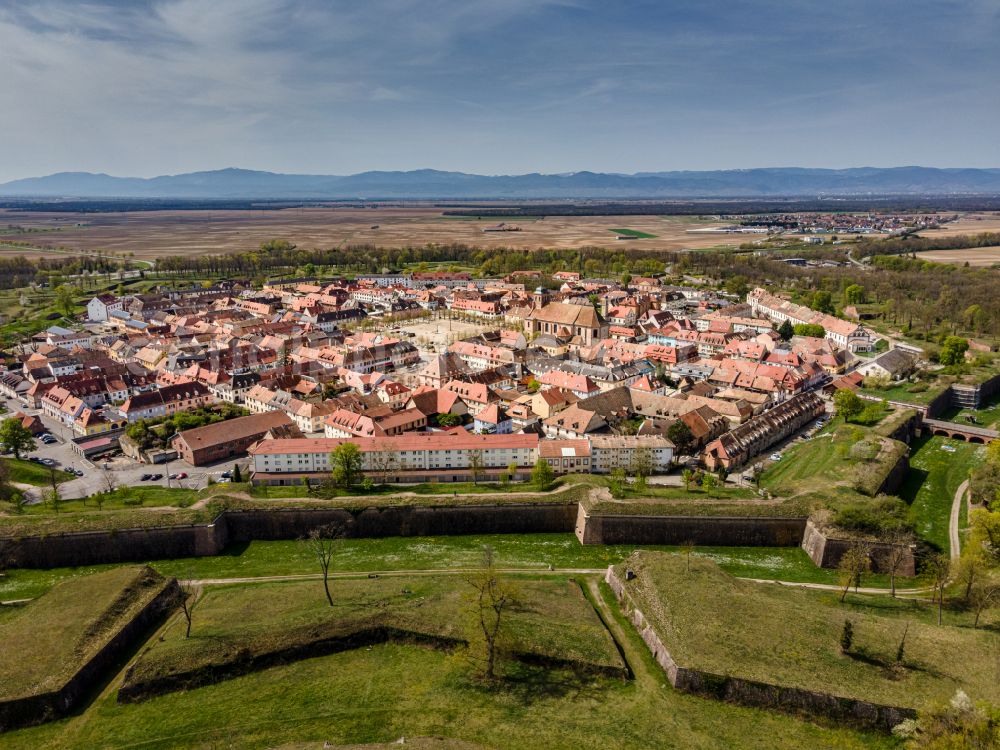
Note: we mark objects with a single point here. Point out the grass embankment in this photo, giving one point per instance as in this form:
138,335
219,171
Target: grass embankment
713,622
28,472
237,626
395,690
935,475
46,641
360,556
845,460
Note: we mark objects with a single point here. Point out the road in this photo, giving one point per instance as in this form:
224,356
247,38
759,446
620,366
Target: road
125,471
956,511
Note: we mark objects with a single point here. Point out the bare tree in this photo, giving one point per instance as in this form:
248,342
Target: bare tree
189,597
985,595
687,548
382,463
476,465
323,543
897,554
491,600
939,567
854,563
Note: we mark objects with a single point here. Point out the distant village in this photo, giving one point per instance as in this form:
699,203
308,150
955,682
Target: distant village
438,376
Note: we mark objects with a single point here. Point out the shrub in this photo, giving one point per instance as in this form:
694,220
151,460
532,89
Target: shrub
877,517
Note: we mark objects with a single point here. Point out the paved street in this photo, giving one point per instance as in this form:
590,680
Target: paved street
125,471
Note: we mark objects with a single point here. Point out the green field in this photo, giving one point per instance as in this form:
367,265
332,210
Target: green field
831,463
233,624
47,640
634,234
790,637
390,691
929,488
360,556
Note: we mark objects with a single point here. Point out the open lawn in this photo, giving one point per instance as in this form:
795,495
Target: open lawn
47,640
234,625
633,233
394,690
790,637
845,458
360,556
935,474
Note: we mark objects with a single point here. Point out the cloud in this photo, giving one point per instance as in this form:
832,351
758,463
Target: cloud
154,86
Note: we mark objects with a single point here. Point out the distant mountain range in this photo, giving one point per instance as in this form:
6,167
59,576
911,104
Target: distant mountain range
430,183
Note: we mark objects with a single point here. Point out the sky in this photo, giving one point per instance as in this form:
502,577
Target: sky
495,86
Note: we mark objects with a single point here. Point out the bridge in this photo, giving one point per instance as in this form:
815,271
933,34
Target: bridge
967,432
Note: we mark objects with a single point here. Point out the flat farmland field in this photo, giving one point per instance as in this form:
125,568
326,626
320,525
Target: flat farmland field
968,224
155,234
974,256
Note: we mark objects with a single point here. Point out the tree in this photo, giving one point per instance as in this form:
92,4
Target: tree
382,463
899,542
491,600
542,475
709,482
346,462
810,329
53,498
687,548
15,437
323,543
846,637
681,436
617,483
448,420
237,474
967,569
476,465
641,466
848,403
985,595
953,351
189,597
688,476
64,299
939,566
855,294
854,563
822,301
786,330
737,285
960,724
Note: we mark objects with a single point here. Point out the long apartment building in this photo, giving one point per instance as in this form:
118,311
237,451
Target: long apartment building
439,457
844,333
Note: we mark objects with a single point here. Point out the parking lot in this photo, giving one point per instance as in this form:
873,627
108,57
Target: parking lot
122,470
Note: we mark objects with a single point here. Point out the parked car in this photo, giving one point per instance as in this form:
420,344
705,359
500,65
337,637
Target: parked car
227,475
146,477
156,477
775,457
182,475
46,462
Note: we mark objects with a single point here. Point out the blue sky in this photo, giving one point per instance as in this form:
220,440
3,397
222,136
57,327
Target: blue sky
495,86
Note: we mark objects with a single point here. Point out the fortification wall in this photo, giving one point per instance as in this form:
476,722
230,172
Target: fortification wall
752,692
704,530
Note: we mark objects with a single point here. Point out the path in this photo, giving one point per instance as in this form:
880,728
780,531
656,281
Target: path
956,509
634,660
387,574
835,587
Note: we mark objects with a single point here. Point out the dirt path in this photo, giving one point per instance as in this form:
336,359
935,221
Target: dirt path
388,574
956,509
637,663
834,587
